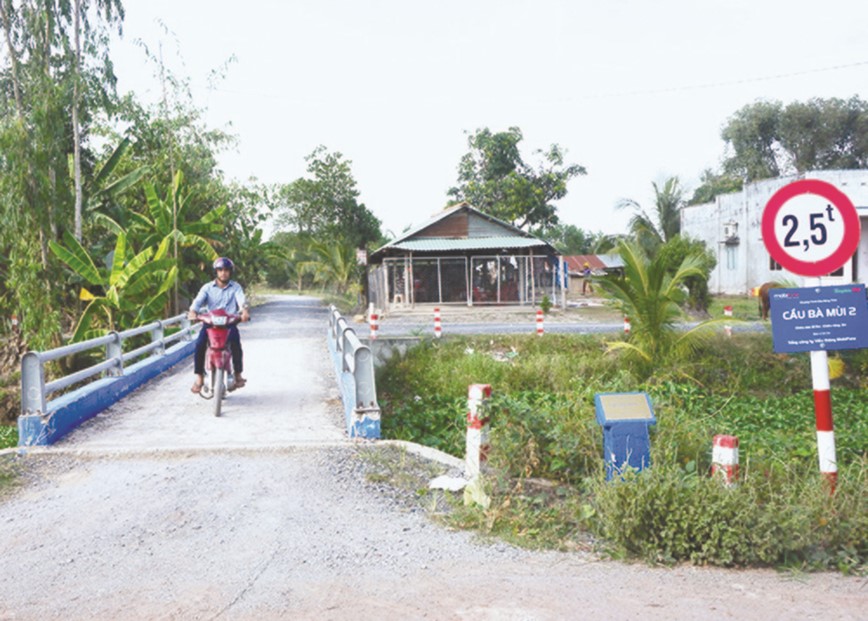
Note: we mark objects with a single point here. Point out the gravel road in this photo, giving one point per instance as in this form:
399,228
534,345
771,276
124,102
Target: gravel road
157,510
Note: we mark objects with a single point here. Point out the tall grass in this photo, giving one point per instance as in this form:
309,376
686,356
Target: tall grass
546,471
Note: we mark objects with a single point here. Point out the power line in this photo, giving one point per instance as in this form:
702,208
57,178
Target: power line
710,85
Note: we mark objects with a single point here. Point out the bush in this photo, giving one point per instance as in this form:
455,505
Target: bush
669,514
545,473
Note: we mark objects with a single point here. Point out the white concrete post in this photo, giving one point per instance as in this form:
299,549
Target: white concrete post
477,429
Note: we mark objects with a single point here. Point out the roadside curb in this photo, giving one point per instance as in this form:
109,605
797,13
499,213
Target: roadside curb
425,451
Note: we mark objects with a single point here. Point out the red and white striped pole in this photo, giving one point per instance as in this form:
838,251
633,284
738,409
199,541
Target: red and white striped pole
437,328
540,326
823,413
724,459
727,312
477,429
626,325
374,320
15,323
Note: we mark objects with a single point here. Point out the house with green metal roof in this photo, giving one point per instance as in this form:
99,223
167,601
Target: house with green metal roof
464,256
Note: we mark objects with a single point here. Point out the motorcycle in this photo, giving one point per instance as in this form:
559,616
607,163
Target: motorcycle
220,377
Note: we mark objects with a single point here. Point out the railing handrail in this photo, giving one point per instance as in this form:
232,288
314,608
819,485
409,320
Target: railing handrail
354,365
34,388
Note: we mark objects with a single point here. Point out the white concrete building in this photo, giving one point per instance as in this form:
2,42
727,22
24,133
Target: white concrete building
731,227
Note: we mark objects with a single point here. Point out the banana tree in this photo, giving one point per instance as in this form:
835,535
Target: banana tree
132,290
101,190
166,226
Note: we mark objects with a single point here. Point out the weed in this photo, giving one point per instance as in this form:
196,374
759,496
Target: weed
8,436
545,474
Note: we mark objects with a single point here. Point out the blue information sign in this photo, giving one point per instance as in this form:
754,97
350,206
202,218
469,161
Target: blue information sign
819,318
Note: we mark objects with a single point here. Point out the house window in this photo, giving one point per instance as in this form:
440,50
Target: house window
774,266
731,258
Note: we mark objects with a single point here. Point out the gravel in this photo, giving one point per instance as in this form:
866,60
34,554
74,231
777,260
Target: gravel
271,513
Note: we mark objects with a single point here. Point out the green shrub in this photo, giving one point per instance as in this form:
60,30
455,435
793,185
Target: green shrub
545,471
8,436
669,514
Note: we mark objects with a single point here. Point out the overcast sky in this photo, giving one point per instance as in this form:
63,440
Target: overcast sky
634,90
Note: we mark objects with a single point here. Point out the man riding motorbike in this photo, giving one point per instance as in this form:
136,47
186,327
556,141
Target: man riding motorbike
225,293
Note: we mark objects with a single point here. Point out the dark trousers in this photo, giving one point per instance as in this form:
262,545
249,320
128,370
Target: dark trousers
234,347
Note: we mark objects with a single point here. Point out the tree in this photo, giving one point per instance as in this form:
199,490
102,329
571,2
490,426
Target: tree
131,291
332,264
494,178
650,294
113,12
767,139
569,239
713,184
39,105
325,205
652,231
674,252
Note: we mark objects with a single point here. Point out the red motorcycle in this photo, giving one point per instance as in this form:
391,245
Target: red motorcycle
220,377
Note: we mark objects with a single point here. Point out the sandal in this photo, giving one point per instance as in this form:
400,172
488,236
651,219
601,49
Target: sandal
240,382
196,388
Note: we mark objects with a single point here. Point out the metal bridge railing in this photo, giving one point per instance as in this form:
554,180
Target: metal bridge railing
35,390
354,367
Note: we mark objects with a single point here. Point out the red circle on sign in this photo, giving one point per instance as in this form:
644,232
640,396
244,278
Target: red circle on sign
850,217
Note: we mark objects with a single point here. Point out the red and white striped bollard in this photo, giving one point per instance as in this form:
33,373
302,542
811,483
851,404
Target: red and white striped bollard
626,325
437,327
540,323
727,312
374,320
477,429
724,458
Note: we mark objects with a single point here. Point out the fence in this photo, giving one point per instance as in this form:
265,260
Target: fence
44,422
354,367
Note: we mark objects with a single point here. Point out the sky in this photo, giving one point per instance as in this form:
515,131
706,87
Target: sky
635,91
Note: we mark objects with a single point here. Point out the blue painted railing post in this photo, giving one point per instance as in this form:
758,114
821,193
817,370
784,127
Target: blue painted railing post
354,367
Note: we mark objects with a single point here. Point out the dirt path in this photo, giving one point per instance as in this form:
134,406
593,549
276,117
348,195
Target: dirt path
157,510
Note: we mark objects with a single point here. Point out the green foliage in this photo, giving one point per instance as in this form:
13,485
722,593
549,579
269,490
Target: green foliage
545,304
333,264
571,240
768,139
8,438
668,514
494,178
650,295
713,184
545,474
672,255
649,231
325,205
132,291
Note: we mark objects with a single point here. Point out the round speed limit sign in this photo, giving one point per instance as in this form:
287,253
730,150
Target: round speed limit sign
810,227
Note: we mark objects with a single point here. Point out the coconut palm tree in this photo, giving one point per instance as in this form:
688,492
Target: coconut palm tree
332,264
650,295
652,231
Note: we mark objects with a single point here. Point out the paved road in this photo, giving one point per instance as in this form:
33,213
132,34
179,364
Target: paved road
158,510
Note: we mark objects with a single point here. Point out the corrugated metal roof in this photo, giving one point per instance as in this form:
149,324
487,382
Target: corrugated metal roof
576,262
478,243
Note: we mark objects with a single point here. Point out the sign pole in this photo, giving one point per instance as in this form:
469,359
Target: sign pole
812,228
823,410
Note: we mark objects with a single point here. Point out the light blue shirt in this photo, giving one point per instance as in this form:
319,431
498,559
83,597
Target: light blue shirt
211,297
